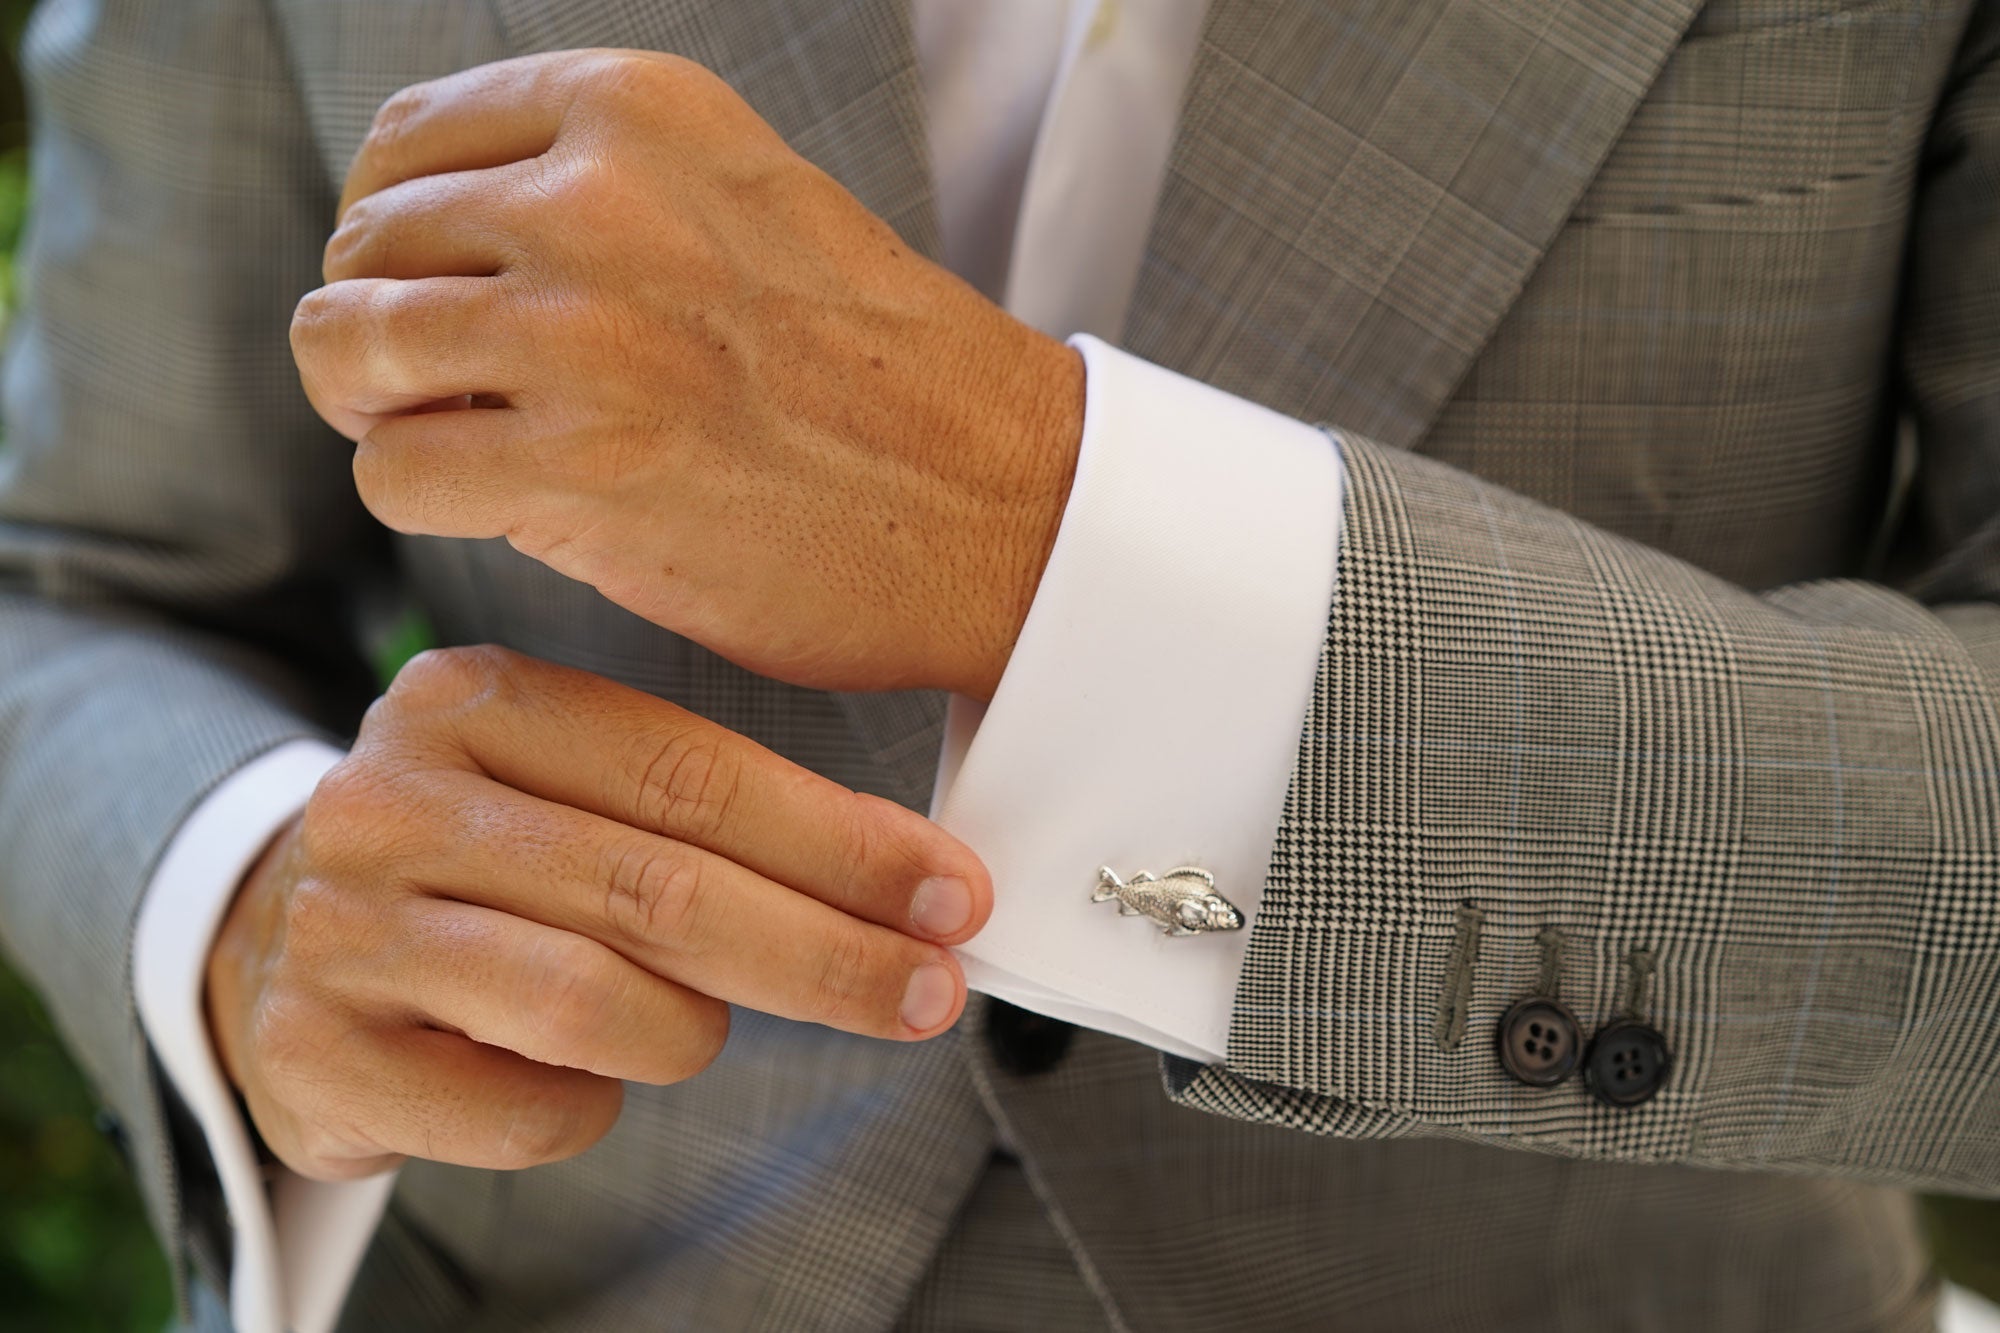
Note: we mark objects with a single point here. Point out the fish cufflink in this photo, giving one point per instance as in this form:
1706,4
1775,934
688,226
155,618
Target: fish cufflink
1183,901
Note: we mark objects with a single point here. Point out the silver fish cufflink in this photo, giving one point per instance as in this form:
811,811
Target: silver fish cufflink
1183,901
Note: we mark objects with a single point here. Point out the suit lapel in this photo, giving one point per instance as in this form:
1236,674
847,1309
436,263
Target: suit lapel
1360,189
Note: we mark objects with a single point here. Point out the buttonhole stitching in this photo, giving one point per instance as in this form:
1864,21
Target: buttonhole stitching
1550,941
1449,1029
1638,982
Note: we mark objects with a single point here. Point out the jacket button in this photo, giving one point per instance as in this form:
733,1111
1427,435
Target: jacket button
1627,1062
108,1123
1023,1042
1539,1041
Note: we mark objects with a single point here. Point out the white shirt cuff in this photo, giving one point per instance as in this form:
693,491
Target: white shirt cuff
296,1246
1150,715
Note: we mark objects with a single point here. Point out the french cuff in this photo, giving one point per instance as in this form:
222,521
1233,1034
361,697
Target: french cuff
297,1242
1150,715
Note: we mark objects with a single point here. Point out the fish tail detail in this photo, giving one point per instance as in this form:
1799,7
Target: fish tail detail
1107,885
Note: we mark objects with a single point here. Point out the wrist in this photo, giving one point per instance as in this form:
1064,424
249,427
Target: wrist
241,952
1033,419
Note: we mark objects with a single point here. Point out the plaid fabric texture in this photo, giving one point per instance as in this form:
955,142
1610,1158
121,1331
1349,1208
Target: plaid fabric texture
1617,309
1787,804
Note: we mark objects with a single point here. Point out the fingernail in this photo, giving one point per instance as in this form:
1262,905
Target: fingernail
942,907
931,993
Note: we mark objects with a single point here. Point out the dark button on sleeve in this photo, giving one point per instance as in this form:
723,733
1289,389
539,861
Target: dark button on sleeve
1024,1042
1628,1061
107,1123
1539,1041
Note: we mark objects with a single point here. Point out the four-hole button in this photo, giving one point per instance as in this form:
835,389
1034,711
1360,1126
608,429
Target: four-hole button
1540,1041
1627,1062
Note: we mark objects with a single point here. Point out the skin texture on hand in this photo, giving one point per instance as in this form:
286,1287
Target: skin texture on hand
527,883
680,363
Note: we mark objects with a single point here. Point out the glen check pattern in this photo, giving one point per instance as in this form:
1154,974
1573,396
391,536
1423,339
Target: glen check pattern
1628,753
1792,803
1611,307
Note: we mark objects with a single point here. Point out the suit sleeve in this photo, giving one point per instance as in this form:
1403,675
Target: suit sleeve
178,533
1539,756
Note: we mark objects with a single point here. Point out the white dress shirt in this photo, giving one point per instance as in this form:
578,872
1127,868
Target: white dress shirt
1150,714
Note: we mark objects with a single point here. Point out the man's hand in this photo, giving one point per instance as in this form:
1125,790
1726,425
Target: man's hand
527,883
592,303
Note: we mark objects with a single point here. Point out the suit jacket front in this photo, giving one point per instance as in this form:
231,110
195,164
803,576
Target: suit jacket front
1664,343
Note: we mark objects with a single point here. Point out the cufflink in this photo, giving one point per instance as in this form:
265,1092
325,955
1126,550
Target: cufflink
1183,901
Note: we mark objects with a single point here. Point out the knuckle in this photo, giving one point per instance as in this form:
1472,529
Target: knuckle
375,483
350,782
322,825
309,316
345,812
844,976
707,1033
568,182
393,119
575,997
318,923
358,216
860,834
326,828
885,839
456,678
318,321
314,1107
289,1054
382,718
348,249
341,334
320,309
878,857
386,315
656,894
689,783
431,676
621,75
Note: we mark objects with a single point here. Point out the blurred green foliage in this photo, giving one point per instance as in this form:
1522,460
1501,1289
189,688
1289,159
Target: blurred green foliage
75,1252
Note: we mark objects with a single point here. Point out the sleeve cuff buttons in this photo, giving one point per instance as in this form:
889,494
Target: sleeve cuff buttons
1540,1044
1539,1041
1627,1062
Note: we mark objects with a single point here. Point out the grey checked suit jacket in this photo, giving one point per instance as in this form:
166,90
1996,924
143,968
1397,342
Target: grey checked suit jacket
1664,339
